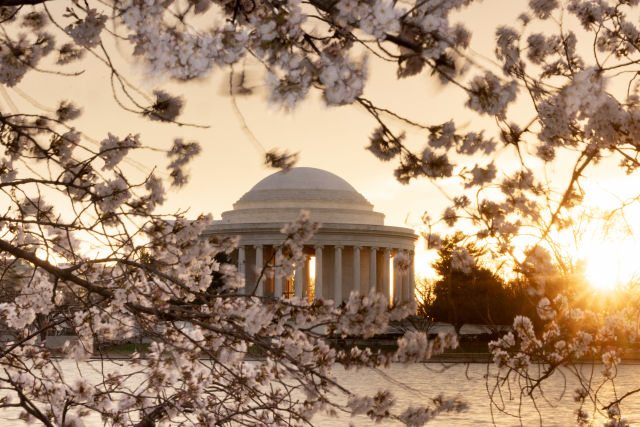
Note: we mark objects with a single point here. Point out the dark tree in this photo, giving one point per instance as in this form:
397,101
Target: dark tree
217,283
423,320
476,298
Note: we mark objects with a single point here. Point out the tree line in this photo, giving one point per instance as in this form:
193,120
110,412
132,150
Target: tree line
483,295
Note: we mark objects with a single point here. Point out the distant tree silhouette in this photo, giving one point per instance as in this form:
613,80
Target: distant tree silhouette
476,298
423,320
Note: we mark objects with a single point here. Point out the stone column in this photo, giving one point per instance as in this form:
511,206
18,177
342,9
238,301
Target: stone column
277,278
242,268
318,279
337,276
306,278
356,268
259,267
386,273
406,284
298,283
397,285
373,283
412,278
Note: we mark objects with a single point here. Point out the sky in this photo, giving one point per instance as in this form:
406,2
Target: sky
332,139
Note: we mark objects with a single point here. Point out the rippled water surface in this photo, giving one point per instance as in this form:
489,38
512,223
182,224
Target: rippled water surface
416,384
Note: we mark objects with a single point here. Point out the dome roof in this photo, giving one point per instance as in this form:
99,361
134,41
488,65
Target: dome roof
303,179
280,197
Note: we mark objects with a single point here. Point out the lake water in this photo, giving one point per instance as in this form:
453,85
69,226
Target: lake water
416,384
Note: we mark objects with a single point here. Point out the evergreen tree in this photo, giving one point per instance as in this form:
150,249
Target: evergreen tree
477,298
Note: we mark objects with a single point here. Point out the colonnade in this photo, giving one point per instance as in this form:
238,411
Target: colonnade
335,275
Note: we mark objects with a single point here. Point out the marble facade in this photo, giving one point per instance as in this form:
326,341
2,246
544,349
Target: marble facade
352,251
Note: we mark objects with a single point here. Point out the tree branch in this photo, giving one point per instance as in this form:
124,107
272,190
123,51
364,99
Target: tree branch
6,3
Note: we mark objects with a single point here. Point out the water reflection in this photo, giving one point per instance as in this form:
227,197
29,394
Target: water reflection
417,384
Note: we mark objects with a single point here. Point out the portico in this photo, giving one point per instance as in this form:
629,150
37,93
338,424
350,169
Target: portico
352,251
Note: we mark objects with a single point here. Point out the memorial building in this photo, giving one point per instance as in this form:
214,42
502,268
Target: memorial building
352,251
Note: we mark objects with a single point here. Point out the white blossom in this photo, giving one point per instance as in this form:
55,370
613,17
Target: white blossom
489,96
402,260
461,260
383,146
436,166
111,264
68,111
35,20
64,145
112,194
298,233
166,108
16,58
482,176
86,32
542,8
181,154
113,150
7,171
507,49
450,217
69,53
432,241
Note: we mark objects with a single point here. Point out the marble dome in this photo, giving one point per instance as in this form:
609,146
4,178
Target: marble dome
280,197
352,250
303,179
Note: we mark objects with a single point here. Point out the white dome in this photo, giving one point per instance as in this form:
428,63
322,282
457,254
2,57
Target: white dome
303,179
280,197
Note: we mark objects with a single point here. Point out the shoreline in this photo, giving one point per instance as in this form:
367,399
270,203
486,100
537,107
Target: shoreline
479,358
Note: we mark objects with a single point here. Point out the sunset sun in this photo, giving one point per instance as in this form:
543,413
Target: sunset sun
611,264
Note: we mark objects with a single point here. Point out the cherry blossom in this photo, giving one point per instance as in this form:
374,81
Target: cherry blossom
86,32
153,271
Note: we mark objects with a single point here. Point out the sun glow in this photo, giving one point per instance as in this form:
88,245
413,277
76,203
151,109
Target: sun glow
423,259
607,263
312,267
611,264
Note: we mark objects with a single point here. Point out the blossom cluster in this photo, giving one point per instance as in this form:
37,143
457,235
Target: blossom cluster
166,108
181,154
86,32
113,150
21,55
179,54
461,260
488,95
156,281
384,145
292,254
151,293
344,79
375,18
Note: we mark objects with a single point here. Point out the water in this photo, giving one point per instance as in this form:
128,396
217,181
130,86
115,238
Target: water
417,384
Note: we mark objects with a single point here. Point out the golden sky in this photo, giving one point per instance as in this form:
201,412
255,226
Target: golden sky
328,138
